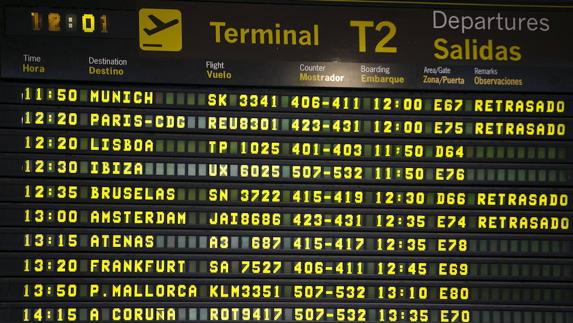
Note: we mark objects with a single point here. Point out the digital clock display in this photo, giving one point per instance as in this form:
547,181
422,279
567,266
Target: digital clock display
69,22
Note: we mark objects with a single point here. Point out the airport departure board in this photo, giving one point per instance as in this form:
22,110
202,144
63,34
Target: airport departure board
299,161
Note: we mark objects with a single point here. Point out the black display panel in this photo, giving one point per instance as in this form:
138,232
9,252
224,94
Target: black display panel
301,161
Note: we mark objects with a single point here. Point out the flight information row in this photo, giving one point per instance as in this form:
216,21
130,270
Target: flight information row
353,291
240,194
69,265
287,148
254,242
300,101
286,313
286,124
282,171
273,218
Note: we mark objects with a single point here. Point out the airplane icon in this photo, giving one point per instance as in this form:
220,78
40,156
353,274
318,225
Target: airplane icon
160,30
159,25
